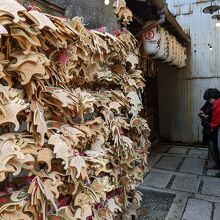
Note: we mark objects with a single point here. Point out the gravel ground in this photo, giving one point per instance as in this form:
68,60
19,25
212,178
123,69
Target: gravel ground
155,205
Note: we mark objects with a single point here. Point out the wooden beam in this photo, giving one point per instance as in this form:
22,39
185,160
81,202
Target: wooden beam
173,22
51,6
138,19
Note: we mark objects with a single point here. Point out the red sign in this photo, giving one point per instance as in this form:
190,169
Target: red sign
149,35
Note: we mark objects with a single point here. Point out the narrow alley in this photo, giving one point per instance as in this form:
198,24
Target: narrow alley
189,191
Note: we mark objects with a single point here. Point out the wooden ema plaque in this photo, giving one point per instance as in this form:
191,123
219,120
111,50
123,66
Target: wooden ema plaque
42,20
12,8
3,30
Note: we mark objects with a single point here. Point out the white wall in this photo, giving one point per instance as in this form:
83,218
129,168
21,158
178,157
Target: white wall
181,91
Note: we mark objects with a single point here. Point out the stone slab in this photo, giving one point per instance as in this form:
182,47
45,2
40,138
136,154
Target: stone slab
157,180
186,184
155,205
197,210
216,215
212,172
193,165
211,186
177,208
199,153
177,150
168,163
213,199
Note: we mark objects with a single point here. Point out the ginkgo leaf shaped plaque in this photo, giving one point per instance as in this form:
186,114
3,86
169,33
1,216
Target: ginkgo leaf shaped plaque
12,8
42,20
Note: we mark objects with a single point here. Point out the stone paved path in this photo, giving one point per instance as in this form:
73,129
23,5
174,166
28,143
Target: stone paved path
179,170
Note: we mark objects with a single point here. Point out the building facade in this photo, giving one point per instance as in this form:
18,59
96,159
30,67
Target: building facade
181,91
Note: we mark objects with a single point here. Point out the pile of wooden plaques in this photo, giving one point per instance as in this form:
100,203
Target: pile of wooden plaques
72,143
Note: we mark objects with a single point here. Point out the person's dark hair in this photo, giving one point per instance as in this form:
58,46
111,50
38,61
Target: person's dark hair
211,93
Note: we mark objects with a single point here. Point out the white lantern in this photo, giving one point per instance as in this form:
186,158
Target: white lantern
171,47
183,58
177,54
151,40
166,46
161,54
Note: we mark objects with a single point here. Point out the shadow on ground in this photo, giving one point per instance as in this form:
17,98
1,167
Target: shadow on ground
155,205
